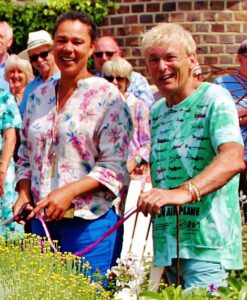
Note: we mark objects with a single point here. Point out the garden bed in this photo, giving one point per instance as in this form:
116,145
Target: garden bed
27,273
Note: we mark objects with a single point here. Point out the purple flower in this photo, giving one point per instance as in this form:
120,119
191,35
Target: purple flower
212,288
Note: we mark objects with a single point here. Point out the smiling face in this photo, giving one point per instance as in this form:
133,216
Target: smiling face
106,49
45,65
17,80
119,81
72,48
170,69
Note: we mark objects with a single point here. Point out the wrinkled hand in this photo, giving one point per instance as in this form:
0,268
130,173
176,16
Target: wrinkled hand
18,204
151,202
55,204
242,114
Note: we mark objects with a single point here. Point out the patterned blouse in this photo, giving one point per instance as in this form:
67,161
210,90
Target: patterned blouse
140,143
89,137
9,118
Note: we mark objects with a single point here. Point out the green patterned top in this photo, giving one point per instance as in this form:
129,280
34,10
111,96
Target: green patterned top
9,118
185,139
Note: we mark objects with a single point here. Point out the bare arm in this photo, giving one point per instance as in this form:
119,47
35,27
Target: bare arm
9,141
59,201
24,191
228,162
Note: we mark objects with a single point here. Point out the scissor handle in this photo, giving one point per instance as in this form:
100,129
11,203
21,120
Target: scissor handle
22,213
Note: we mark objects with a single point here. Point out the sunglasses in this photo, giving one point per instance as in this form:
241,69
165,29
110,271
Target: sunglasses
99,54
35,57
111,78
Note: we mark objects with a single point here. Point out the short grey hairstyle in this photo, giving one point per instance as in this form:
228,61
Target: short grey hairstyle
23,64
118,66
8,28
165,34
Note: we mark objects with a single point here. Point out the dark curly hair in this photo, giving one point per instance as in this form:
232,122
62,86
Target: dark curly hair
77,16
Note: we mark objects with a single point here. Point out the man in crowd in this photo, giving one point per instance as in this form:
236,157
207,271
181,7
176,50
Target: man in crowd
195,134
6,40
105,49
40,54
236,84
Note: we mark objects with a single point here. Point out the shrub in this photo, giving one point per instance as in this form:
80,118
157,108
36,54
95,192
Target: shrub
32,16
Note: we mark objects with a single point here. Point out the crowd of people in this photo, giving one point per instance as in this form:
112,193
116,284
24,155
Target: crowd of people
72,139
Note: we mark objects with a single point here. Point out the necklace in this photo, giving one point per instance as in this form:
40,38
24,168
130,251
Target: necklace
54,141
59,106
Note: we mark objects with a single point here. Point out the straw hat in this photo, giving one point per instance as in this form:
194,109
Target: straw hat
35,40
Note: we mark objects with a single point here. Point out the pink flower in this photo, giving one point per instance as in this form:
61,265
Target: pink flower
87,115
87,199
79,144
114,116
115,134
41,141
66,167
50,133
43,90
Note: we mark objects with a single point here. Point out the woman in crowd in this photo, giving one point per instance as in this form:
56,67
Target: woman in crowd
10,121
18,72
74,149
118,71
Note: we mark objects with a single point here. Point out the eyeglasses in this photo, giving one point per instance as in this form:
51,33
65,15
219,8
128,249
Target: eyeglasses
35,57
111,78
99,54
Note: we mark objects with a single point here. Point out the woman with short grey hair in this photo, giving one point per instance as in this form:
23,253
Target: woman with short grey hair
18,72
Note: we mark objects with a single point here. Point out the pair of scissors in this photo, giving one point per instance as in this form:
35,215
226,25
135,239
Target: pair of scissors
21,215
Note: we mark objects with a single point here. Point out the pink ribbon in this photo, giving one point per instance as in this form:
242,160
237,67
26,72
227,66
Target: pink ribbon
109,232
47,233
90,247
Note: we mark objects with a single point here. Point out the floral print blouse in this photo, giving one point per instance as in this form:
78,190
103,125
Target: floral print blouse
140,143
89,137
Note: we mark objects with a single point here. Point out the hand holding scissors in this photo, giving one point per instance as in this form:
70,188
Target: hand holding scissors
20,216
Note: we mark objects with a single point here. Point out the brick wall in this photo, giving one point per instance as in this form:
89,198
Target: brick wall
217,26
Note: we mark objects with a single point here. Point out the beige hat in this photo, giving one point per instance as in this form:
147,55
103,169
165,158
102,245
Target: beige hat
35,40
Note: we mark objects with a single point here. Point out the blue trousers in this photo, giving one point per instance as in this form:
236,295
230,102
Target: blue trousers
197,273
76,234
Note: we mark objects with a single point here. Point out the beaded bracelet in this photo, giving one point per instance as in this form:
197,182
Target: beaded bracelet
193,189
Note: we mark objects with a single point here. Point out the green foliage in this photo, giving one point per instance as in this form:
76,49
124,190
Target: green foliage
236,289
33,16
176,293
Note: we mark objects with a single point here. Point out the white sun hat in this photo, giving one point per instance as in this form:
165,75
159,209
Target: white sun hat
35,40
